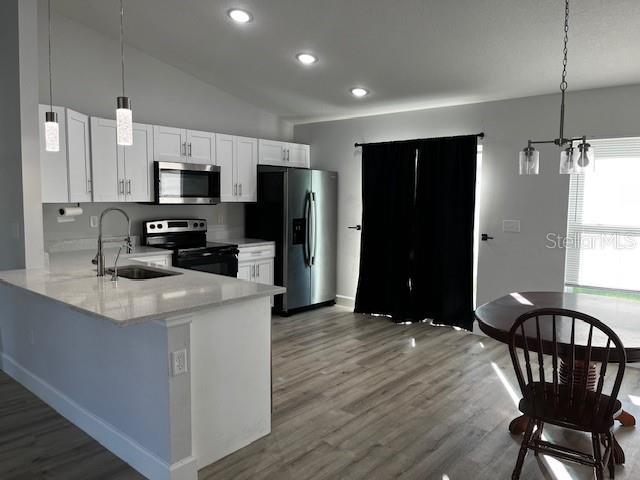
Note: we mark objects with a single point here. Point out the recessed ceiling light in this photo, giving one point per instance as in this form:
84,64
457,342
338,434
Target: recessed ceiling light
239,16
306,58
359,92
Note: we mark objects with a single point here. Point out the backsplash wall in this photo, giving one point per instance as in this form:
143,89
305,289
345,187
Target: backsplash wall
225,220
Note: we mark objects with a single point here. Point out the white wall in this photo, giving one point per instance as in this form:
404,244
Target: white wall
511,262
87,78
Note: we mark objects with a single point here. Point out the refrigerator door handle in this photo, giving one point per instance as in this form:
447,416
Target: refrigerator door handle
307,221
314,228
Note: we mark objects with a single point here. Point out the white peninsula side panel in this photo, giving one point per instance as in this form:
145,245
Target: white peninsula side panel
230,378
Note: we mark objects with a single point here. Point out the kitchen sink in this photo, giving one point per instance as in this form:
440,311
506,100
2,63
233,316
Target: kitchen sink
137,272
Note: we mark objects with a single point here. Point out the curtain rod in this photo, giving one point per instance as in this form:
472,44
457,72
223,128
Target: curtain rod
479,135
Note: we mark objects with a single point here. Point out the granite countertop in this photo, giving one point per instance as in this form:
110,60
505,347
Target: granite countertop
129,302
248,242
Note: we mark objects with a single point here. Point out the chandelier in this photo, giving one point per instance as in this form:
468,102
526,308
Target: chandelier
577,155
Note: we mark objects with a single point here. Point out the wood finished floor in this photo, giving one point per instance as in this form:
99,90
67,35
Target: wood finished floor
355,397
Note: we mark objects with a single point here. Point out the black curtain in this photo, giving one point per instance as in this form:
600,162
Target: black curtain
388,179
442,267
416,254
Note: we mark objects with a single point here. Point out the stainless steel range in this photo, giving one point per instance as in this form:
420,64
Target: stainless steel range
188,240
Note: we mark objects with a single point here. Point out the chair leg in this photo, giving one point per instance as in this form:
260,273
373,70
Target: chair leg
611,463
597,455
538,437
524,446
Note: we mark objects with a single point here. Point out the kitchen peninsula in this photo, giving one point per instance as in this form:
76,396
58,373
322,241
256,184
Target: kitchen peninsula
170,374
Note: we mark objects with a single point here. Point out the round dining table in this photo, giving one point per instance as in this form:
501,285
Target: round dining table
496,318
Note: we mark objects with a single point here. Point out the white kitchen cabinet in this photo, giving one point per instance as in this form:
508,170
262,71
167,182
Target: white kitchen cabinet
237,158
66,174
121,174
264,271
201,147
245,271
79,157
179,145
247,169
104,161
169,144
255,262
283,154
298,155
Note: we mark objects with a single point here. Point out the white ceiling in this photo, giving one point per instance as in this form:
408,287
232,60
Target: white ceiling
410,53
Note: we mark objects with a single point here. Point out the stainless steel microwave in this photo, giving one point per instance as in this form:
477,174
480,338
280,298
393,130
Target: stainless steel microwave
186,183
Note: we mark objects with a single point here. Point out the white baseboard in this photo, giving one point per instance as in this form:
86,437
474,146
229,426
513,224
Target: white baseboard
344,301
121,445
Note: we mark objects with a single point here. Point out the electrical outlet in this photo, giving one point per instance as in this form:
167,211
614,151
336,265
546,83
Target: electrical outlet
220,219
93,221
511,226
179,362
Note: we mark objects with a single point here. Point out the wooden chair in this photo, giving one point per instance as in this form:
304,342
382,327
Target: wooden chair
567,399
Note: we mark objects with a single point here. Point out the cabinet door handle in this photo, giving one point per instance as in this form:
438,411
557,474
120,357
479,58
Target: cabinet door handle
189,148
89,186
235,189
258,269
183,149
253,271
129,187
288,155
240,190
121,187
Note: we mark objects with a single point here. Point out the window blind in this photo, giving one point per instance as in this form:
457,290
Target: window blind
603,225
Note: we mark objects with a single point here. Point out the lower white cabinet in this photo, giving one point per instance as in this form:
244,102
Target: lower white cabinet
66,174
121,174
283,154
237,158
255,263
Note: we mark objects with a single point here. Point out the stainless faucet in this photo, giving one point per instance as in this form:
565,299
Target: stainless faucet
99,258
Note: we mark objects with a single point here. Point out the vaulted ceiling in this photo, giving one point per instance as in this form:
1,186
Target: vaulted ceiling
410,53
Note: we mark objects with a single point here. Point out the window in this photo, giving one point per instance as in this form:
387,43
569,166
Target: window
603,227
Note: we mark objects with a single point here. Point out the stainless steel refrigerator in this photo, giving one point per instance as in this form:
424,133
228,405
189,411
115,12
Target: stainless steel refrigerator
297,209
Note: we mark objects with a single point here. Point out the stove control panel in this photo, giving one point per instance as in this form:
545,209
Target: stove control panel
175,226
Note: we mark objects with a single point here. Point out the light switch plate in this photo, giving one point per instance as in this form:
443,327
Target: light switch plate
512,226
179,362
93,221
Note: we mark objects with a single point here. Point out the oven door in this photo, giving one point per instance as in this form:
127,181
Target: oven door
186,183
221,264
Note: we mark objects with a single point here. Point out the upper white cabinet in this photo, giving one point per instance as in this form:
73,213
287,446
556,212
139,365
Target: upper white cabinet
283,154
237,158
121,174
66,174
201,147
179,145
169,144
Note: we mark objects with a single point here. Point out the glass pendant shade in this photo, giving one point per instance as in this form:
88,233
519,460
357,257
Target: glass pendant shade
51,132
569,161
586,158
124,122
529,161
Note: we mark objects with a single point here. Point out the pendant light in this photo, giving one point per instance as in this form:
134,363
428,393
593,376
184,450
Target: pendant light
51,127
124,115
573,159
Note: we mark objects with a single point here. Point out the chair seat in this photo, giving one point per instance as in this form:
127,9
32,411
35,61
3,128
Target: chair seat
539,404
